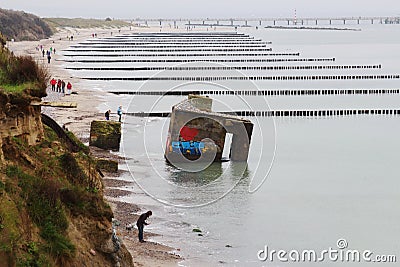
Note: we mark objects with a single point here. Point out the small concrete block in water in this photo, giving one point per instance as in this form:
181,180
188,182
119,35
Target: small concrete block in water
105,134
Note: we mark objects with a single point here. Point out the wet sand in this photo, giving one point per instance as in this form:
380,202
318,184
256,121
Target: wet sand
78,121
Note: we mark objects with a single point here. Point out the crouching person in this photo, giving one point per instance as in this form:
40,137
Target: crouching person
141,222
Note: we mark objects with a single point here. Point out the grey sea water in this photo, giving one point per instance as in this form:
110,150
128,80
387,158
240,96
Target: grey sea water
318,179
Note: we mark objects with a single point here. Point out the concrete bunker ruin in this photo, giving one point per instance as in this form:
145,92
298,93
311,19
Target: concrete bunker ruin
196,132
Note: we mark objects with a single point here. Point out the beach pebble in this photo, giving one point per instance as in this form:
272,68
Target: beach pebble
93,252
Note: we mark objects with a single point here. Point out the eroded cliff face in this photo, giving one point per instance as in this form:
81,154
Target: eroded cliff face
19,119
52,211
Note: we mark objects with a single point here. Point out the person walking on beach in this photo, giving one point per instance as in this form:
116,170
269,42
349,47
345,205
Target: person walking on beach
43,52
58,86
119,112
53,83
63,87
141,222
48,58
69,88
107,115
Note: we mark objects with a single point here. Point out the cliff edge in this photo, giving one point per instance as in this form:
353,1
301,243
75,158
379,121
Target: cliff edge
52,211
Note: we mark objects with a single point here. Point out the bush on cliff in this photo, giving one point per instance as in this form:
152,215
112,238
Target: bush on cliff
22,73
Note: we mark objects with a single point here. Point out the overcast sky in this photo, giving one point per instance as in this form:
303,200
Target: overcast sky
203,8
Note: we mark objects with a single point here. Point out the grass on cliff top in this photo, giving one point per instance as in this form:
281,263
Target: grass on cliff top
84,23
22,73
8,88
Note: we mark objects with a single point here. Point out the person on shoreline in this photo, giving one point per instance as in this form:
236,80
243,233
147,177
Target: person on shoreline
63,87
119,112
141,222
107,115
69,88
53,83
58,86
48,57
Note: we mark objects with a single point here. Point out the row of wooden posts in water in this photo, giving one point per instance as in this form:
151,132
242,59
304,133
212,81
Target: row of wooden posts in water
214,60
285,92
231,68
287,113
250,78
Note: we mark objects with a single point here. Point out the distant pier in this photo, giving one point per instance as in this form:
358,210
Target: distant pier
245,22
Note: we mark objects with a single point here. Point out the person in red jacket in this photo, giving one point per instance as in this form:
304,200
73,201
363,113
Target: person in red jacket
53,83
69,88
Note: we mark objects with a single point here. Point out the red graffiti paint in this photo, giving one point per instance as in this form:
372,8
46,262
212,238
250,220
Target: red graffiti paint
188,133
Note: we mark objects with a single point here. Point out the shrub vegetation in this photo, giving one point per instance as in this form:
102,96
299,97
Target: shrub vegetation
21,74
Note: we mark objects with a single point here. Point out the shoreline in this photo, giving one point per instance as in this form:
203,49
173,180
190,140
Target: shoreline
77,120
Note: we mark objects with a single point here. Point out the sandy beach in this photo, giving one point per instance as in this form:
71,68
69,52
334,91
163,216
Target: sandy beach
78,121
